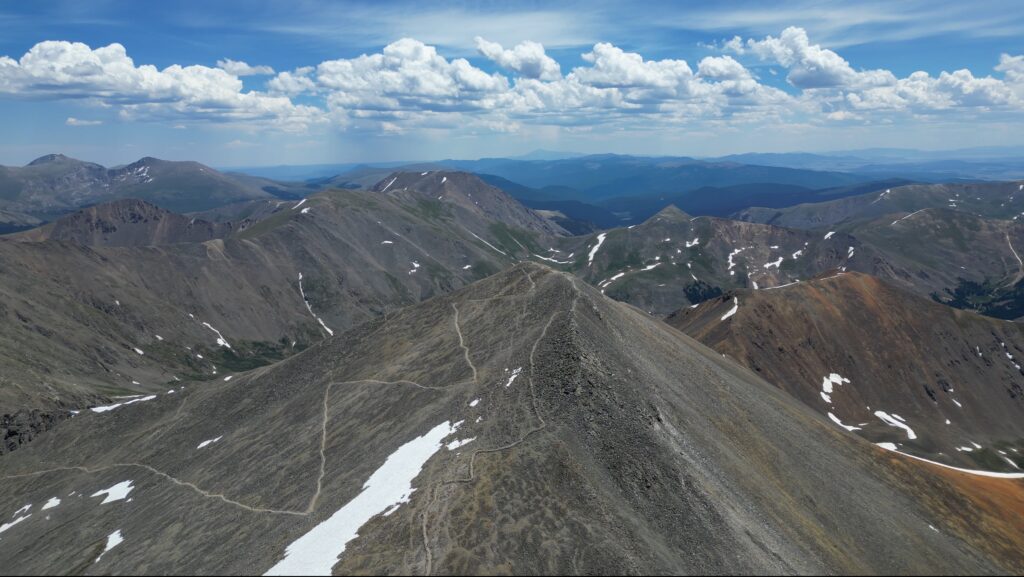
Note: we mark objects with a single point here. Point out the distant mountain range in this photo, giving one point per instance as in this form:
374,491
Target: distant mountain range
55,184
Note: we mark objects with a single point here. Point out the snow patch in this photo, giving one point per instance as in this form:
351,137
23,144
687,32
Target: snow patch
836,420
515,374
735,307
113,540
115,493
106,408
593,251
316,552
209,442
893,422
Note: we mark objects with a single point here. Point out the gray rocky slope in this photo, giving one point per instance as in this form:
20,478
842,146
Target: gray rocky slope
107,308
523,424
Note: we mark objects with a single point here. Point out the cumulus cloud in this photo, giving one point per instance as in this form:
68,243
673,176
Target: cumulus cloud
239,68
72,121
293,83
107,76
810,65
826,77
410,85
528,59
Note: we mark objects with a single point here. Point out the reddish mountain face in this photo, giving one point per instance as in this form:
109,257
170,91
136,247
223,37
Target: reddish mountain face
882,363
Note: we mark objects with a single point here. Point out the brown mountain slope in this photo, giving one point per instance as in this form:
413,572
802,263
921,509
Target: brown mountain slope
525,424
953,377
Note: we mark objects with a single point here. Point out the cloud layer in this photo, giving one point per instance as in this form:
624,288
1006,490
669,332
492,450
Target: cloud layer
411,85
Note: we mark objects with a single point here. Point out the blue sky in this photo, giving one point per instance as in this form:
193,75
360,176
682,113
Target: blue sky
310,81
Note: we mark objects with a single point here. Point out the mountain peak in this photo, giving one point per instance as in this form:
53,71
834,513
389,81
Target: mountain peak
48,159
671,212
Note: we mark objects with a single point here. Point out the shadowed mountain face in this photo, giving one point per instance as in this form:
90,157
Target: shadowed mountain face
673,259
84,320
127,223
468,193
524,405
948,383
55,184
1001,200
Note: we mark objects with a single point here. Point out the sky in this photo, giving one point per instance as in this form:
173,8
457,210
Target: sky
257,83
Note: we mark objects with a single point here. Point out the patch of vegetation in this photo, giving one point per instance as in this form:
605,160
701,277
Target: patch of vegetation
987,298
506,237
248,355
700,291
281,193
266,225
429,209
989,460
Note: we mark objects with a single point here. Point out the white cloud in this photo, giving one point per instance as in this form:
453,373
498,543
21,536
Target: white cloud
239,68
106,76
409,85
810,65
293,83
527,58
72,121
827,78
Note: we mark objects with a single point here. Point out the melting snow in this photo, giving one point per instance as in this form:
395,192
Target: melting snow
115,493
827,384
209,442
390,183
735,307
836,420
774,264
892,447
553,260
221,341
488,244
316,552
593,251
444,179
892,422
693,243
7,526
908,216
797,254
301,202
113,540
474,402
829,235
305,210
310,308
53,502
387,242
515,374
460,443
106,408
